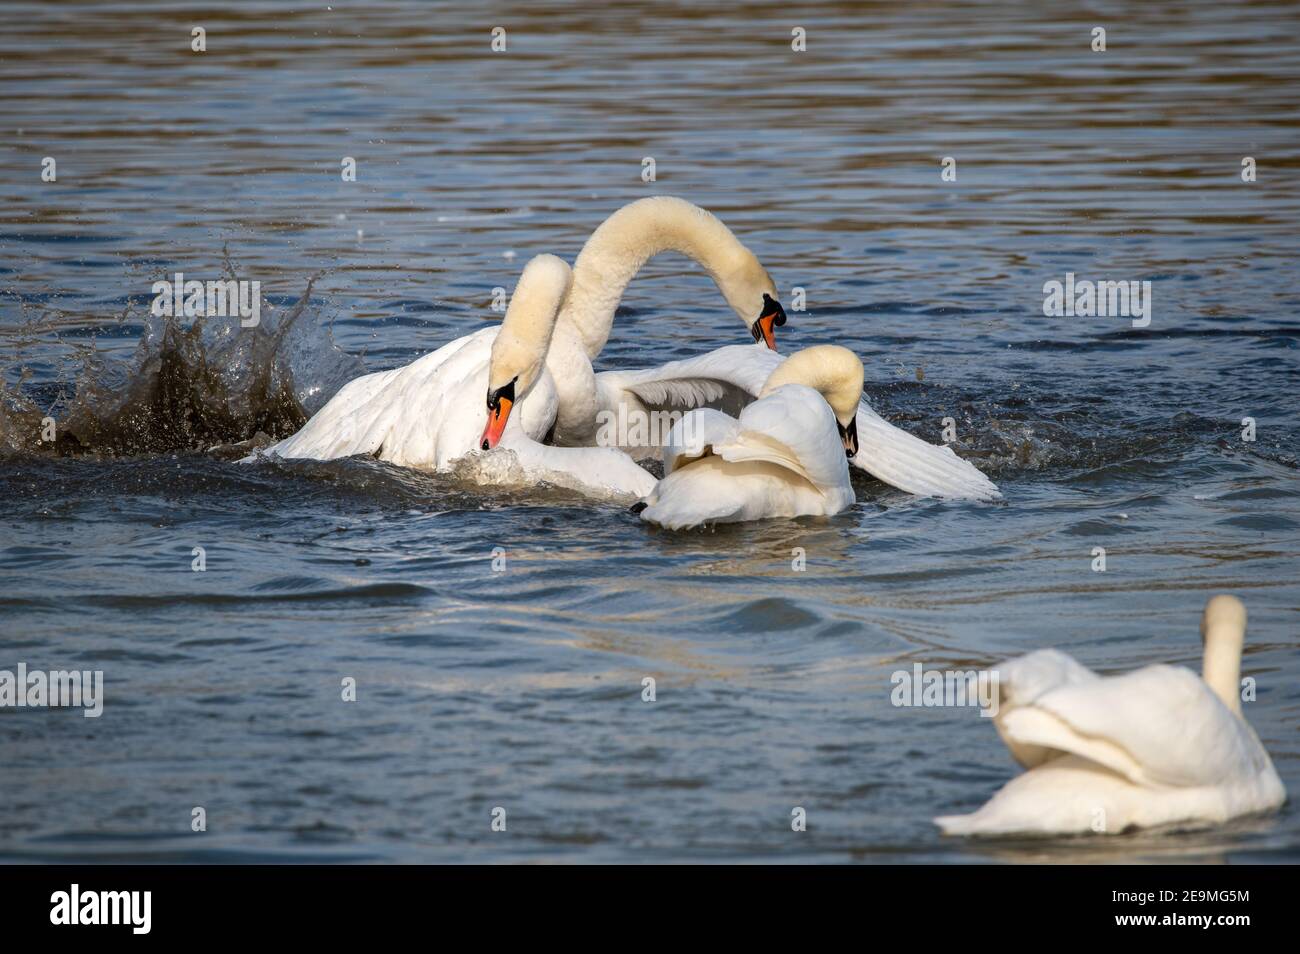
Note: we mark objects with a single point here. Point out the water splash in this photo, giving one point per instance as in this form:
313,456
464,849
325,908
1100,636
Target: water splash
187,386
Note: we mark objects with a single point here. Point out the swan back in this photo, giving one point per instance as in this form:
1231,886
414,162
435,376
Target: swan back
835,373
1156,726
636,233
794,428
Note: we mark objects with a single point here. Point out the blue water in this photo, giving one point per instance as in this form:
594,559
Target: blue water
523,689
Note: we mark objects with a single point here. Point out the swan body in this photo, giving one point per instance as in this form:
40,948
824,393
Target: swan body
732,376
430,414
423,415
1155,747
784,456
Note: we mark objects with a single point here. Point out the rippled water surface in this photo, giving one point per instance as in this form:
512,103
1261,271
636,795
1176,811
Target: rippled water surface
522,689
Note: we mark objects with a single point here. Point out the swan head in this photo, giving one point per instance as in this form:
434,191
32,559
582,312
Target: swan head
751,293
835,373
1223,632
519,351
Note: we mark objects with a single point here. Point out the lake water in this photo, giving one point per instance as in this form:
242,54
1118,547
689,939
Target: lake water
523,690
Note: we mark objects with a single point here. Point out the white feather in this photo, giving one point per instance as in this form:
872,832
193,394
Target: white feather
782,458
431,414
736,374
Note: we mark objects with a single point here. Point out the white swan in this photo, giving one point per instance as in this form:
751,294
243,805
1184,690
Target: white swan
736,374
414,415
417,415
784,457
609,260
1153,747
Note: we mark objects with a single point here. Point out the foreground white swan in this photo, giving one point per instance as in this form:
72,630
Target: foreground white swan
784,457
417,415
734,375
411,416
1157,746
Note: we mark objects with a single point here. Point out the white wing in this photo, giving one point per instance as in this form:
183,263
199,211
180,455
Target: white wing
892,455
425,414
695,435
726,378
793,427
783,457
731,377
1025,678
1021,681
1158,726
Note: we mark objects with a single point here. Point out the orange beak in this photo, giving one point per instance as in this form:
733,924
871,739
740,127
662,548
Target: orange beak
765,326
498,414
773,317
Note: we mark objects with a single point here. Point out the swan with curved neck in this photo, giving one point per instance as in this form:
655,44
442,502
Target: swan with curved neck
517,359
639,231
1156,747
611,257
786,455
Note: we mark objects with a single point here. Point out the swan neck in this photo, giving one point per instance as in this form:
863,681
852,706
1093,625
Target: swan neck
575,389
628,239
521,344
1222,670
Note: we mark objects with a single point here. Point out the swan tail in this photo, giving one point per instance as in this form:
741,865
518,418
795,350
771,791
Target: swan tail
902,460
958,824
695,496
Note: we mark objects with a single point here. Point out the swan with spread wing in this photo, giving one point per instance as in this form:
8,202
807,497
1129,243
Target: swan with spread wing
732,376
412,415
419,415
